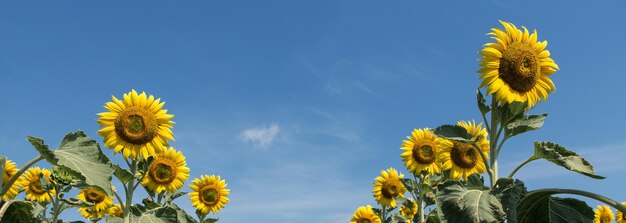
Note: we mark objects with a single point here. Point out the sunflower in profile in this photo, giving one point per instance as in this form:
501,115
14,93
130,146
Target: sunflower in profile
621,217
91,214
421,151
209,194
603,214
10,169
462,158
168,171
388,186
517,67
136,126
32,185
365,214
409,212
101,201
116,210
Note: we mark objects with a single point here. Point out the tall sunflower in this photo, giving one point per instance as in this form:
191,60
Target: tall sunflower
10,169
621,217
603,214
421,151
517,67
168,171
101,201
388,186
365,214
209,193
91,214
31,183
462,158
409,212
136,126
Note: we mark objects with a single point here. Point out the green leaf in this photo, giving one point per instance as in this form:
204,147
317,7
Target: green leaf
147,218
410,184
181,215
459,204
432,217
122,174
481,102
475,181
509,192
509,112
113,219
211,220
149,204
17,211
561,156
42,149
167,214
524,124
453,132
2,163
84,156
398,218
169,197
543,207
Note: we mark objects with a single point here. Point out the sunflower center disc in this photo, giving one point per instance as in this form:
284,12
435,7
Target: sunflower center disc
519,67
423,154
464,155
365,221
92,195
390,191
36,187
136,126
210,196
162,171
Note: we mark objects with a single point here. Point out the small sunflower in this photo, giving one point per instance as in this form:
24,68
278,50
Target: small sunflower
409,212
168,171
91,214
116,210
421,151
136,126
621,217
10,169
603,214
101,201
517,67
209,194
365,214
32,185
462,158
387,187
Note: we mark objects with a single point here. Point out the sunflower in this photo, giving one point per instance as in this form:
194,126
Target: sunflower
101,201
91,214
10,169
32,185
168,171
421,151
136,126
365,214
116,210
462,158
516,67
409,212
621,217
388,186
603,214
209,194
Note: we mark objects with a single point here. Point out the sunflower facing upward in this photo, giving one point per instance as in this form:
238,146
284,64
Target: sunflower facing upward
462,158
136,126
32,185
209,194
603,214
168,171
421,152
365,214
387,187
517,67
10,169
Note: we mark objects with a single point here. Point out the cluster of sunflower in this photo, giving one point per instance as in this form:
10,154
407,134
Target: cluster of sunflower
446,163
138,128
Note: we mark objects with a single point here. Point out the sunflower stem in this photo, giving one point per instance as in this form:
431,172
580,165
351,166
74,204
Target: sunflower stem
19,173
493,171
130,188
420,198
56,208
530,159
482,155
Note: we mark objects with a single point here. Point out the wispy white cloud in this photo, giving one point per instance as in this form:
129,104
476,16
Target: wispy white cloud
261,137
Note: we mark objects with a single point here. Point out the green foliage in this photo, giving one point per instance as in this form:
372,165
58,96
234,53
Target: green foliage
481,102
17,211
543,207
524,124
42,149
509,192
453,132
2,163
559,155
455,203
475,181
122,174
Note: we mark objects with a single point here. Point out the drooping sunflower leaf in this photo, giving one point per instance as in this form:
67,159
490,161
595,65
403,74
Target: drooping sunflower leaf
453,132
122,174
17,211
543,207
481,102
559,155
211,220
410,184
42,149
181,215
456,203
167,214
169,197
524,124
509,192
475,181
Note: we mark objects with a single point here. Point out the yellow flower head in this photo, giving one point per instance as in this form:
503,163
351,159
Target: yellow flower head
101,201
365,214
621,217
462,158
32,185
409,212
603,214
421,152
116,210
516,67
136,126
387,187
168,171
209,194
91,214
10,169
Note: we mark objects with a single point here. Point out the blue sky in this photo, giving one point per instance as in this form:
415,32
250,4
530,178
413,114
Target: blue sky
299,105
